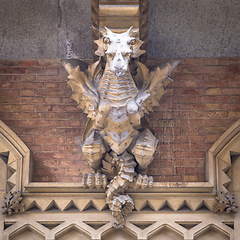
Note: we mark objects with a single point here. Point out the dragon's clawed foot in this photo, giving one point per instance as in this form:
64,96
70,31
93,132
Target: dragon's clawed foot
93,180
142,181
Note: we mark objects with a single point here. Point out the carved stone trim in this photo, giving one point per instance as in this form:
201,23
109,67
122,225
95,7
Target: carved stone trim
137,227
13,203
225,203
155,202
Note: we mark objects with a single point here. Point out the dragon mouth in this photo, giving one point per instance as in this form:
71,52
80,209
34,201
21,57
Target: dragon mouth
119,71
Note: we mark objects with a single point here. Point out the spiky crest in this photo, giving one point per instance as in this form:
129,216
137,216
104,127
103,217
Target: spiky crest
126,36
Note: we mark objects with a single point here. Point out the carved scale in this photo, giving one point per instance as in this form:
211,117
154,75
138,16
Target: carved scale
117,92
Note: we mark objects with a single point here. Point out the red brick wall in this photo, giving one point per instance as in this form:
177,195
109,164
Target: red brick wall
202,102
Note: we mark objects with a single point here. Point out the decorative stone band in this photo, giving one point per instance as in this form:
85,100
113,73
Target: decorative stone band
99,225
95,201
224,202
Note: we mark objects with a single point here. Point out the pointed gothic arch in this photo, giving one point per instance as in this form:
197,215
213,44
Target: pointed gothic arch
16,155
221,156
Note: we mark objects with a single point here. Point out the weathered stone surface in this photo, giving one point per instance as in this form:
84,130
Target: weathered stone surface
58,28
193,28
45,29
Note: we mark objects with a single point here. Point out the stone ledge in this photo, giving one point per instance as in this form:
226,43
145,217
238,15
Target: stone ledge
158,187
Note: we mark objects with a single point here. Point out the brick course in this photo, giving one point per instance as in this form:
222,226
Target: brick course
201,103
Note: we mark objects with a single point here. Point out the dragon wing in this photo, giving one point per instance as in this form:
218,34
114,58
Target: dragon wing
155,86
81,80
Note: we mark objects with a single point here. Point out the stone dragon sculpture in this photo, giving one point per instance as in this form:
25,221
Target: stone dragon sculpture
117,92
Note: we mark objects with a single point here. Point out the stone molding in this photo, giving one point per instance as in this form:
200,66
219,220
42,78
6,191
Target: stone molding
161,187
155,202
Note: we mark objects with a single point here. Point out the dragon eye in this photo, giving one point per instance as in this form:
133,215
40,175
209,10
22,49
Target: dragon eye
132,42
106,40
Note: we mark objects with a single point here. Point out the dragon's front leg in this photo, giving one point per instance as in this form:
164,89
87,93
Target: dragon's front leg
94,149
143,150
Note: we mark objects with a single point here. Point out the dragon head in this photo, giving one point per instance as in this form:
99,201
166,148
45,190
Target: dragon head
119,48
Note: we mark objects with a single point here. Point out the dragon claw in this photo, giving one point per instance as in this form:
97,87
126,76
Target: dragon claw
143,182
93,180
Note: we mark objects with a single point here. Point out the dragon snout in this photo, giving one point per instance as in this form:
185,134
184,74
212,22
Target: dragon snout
118,67
119,70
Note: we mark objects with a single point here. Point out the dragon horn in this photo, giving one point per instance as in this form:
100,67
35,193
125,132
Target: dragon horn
129,31
108,31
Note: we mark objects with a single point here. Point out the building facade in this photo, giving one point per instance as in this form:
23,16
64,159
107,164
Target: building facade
195,167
